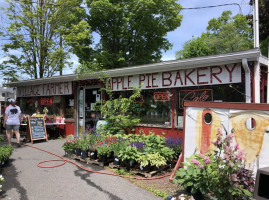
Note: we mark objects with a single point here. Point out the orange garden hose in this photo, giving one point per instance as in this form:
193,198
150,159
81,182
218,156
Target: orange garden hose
70,161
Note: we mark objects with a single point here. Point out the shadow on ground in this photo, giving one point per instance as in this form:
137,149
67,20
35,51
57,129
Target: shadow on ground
11,183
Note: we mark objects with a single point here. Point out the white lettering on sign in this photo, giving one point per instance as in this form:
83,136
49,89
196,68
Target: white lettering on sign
213,75
51,89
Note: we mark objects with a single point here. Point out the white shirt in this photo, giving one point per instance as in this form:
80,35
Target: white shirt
13,115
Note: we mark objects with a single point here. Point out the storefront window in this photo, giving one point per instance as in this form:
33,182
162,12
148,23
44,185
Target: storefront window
69,104
155,107
51,105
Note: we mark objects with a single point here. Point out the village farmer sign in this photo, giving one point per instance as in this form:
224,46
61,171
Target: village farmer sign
213,75
50,89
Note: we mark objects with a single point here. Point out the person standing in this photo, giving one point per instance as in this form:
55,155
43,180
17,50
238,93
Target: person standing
12,121
4,110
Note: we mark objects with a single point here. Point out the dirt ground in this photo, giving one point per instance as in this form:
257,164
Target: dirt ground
158,184
161,184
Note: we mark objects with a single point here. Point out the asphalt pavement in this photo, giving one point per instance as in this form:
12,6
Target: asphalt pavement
24,180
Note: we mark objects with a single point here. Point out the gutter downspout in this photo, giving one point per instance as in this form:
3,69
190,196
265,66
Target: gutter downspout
247,80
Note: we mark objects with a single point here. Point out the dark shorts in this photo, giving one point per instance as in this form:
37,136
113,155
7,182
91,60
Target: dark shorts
12,127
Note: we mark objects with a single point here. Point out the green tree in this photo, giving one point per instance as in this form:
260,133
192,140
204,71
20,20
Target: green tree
224,34
264,26
41,35
132,32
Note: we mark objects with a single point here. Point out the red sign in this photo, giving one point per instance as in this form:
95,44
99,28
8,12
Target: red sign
161,96
46,101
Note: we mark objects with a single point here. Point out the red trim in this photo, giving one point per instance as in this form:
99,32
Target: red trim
206,133
253,83
243,106
168,132
173,109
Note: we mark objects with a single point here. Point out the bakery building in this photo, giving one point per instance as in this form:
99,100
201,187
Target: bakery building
232,77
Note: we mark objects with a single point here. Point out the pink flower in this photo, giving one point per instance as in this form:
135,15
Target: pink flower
195,161
231,164
207,161
241,155
236,147
219,132
201,166
234,177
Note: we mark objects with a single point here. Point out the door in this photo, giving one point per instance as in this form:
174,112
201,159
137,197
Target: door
87,116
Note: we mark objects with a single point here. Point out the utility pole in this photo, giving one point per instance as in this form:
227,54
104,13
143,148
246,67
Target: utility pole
256,23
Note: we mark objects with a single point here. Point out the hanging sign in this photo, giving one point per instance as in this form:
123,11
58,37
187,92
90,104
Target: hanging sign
50,89
161,96
211,75
195,95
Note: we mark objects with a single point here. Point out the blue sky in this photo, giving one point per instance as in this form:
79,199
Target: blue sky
194,22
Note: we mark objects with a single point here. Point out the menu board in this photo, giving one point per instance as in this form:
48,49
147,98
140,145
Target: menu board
37,128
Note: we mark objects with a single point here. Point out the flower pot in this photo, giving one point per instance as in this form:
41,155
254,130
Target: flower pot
78,151
145,168
116,160
102,158
69,154
129,163
84,154
49,121
93,155
62,120
58,120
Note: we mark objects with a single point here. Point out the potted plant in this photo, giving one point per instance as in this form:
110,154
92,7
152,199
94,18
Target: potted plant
82,146
5,153
116,147
57,119
149,160
69,145
103,152
50,118
93,140
129,156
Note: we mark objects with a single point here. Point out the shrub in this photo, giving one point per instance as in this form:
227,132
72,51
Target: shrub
5,152
218,172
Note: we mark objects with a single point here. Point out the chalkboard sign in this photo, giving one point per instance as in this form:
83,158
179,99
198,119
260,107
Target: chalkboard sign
37,128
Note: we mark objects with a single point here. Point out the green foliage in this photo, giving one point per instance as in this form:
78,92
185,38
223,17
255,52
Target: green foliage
157,192
129,153
224,34
104,150
118,146
70,144
218,172
118,113
5,152
152,159
132,33
156,144
82,143
264,26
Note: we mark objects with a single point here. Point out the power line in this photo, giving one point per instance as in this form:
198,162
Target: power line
105,8
220,5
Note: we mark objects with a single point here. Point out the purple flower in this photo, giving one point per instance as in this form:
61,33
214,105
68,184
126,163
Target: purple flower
174,143
138,145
